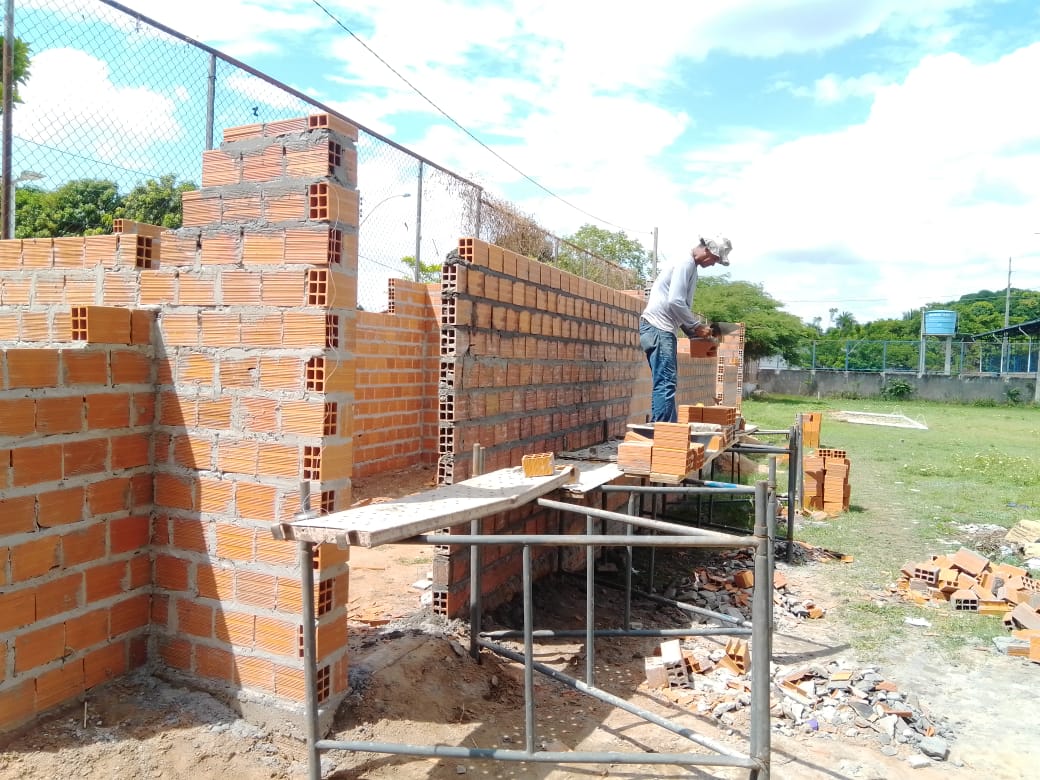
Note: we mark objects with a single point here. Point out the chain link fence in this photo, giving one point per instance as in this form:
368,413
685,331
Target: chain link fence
116,111
941,356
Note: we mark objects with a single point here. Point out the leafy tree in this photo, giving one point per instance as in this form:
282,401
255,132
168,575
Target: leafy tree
20,69
157,202
82,207
428,272
617,247
768,330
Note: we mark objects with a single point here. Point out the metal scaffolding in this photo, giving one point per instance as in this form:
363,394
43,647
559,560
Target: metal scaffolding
661,534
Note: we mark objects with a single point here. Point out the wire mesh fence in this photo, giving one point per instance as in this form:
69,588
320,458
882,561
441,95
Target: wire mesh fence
941,356
117,110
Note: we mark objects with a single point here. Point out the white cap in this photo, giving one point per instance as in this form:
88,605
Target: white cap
720,246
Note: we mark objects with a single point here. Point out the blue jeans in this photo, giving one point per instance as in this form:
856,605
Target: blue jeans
660,347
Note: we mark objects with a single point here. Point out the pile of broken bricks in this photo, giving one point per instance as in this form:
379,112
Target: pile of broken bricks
827,700
969,582
726,586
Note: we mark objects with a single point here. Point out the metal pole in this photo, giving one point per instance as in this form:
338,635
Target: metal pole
590,604
528,653
761,638
629,531
211,96
310,675
480,201
475,591
566,633
418,224
653,270
1007,314
7,212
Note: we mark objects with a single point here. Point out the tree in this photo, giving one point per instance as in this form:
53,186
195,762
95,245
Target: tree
81,207
157,202
616,247
20,69
428,272
768,330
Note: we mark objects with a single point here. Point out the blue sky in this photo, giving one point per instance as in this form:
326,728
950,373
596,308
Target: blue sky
870,156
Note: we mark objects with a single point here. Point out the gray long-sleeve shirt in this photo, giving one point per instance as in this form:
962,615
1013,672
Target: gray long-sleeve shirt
671,297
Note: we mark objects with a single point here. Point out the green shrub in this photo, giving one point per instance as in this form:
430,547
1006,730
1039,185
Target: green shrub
898,390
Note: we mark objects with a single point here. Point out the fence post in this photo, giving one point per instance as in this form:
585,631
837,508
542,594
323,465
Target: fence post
7,213
211,94
418,224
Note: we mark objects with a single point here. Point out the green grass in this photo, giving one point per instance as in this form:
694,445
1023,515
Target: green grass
912,491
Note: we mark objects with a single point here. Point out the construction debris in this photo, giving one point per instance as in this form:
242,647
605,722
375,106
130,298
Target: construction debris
969,582
833,699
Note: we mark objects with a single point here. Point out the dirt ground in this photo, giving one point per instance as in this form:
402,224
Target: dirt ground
413,682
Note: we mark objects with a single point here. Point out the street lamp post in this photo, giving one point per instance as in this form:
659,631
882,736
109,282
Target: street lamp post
24,176
380,203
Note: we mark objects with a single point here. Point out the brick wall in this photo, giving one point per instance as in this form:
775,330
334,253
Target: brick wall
75,499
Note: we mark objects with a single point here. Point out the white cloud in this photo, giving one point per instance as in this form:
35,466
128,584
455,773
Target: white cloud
923,201
261,91
72,103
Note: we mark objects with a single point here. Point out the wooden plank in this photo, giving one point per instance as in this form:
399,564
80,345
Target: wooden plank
428,511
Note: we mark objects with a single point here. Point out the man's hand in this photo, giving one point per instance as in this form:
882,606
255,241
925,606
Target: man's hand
701,331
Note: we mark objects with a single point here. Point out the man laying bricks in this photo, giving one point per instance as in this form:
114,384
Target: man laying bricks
669,308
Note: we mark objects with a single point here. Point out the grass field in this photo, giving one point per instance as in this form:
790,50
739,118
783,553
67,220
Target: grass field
914,492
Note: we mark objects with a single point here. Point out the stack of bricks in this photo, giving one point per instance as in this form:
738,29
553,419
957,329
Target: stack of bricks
825,481
969,582
165,393
729,371
255,387
674,455
811,423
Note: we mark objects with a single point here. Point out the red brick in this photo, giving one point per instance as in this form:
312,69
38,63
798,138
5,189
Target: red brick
85,457
17,704
39,647
87,630
142,490
17,515
130,367
235,542
130,451
176,653
289,683
33,368
215,496
57,596
171,573
34,557
236,628
215,583
214,414
130,614
194,618
143,406
59,685
17,609
17,416
105,580
108,410
214,663
33,465
59,415
140,571
189,535
60,507
83,367
83,546
275,551
276,636
256,589
104,664
174,492
128,533
107,496
253,672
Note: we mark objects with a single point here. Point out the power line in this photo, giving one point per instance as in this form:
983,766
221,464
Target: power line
451,119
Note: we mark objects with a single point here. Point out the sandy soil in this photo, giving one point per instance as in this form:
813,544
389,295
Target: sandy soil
414,682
